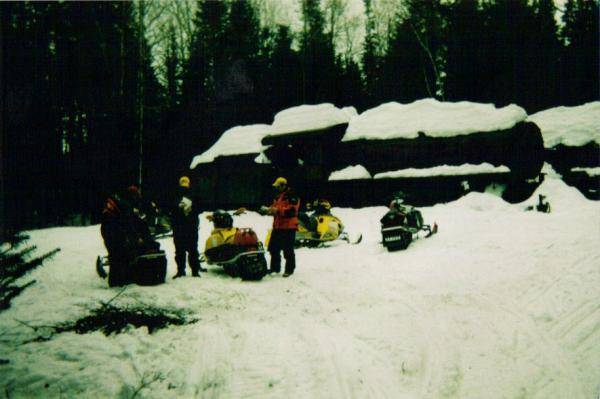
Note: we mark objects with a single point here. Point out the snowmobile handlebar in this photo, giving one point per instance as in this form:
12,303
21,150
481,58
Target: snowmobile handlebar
237,212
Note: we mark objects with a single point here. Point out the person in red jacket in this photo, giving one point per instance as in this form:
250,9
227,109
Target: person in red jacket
285,223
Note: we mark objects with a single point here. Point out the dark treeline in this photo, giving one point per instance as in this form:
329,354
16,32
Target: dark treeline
83,112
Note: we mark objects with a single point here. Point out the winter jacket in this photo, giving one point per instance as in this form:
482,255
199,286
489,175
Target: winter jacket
123,229
184,213
286,207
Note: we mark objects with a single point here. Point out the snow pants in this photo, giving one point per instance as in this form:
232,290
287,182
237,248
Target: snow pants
282,240
186,246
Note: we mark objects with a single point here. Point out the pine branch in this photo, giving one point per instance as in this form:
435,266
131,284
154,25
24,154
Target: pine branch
11,292
10,260
20,270
146,382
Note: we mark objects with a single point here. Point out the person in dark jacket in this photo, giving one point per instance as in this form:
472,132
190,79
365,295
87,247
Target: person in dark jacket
185,229
285,223
125,234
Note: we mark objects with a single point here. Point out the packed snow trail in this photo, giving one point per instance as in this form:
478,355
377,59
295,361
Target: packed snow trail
501,303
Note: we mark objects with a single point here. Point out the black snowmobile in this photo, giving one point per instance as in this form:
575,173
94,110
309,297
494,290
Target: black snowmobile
401,224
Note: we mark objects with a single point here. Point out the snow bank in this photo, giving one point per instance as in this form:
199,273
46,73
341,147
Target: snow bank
590,171
561,196
434,118
350,173
235,141
444,170
571,126
310,117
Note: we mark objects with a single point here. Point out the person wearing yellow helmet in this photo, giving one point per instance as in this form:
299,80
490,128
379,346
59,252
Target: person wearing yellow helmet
185,229
285,223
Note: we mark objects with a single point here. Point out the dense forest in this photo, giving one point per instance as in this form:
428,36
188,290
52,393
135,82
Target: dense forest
88,108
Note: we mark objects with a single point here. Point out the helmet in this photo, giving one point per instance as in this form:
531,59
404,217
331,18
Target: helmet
280,181
324,203
222,219
184,181
133,189
134,192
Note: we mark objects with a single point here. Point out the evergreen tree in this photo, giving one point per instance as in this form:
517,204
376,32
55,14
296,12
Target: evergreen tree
465,62
172,71
201,84
371,59
76,124
414,65
317,56
580,68
509,48
16,263
284,73
543,72
351,90
239,82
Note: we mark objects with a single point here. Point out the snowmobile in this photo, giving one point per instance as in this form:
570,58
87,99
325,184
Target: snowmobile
134,255
148,268
401,224
318,227
237,250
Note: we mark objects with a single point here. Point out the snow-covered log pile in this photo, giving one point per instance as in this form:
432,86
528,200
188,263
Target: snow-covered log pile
572,140
429,133
311,144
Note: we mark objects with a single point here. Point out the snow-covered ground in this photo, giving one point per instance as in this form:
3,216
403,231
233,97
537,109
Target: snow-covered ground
501,303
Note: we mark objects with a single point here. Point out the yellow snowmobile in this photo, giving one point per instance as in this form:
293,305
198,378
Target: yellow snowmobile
318,227
237,250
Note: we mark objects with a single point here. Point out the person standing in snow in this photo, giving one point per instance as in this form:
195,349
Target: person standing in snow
285,223
185,229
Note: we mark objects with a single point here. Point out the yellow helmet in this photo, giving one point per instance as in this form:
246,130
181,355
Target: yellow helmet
280,181
184,181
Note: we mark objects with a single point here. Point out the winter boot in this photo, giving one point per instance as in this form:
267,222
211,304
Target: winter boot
179,274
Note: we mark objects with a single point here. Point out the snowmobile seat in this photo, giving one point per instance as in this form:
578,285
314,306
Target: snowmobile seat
246,238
